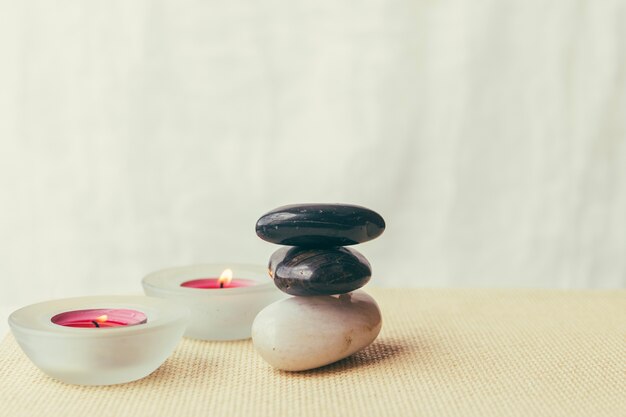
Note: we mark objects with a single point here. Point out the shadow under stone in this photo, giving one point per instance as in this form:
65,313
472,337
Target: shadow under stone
379,351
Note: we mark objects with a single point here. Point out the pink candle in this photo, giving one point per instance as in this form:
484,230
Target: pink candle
100,317
224,281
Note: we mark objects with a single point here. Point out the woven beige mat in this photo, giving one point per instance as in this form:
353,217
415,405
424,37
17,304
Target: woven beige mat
441,353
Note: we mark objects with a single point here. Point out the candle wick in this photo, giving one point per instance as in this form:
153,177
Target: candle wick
95,323
221,285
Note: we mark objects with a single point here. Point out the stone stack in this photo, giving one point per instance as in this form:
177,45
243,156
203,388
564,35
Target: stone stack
328,318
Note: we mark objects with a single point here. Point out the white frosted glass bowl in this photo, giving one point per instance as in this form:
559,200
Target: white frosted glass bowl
217,313
99,356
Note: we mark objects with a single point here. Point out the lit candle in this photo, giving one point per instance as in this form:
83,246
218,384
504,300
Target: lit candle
99,318
224,281
221,308
99,340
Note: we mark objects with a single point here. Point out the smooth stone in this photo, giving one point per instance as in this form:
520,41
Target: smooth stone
319,225
300,333
305,271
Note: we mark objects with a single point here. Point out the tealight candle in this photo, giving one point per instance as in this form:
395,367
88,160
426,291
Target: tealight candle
72,341
223,298
99,318
224,281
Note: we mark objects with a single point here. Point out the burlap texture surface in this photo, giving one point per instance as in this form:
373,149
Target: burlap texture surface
441,353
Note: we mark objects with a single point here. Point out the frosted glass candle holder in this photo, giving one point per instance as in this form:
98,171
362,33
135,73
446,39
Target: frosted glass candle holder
110,352
216,313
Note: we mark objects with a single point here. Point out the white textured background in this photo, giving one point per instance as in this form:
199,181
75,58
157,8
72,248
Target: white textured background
137,135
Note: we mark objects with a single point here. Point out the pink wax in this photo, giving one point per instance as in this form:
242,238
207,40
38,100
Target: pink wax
216,283
100,317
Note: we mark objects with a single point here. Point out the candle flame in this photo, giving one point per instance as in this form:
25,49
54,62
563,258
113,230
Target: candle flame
226,277
102,318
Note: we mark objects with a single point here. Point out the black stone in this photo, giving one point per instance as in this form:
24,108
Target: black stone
305,271
320,225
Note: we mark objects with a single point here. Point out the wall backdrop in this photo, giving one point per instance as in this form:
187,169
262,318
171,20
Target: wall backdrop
137,135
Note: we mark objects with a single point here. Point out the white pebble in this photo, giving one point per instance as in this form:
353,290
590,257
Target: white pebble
300,333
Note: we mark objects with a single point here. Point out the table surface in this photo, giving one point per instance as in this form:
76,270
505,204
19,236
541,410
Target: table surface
441,353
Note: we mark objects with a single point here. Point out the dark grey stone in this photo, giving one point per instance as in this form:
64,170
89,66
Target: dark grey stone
320,225
305,271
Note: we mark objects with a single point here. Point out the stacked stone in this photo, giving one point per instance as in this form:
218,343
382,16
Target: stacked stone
328,318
